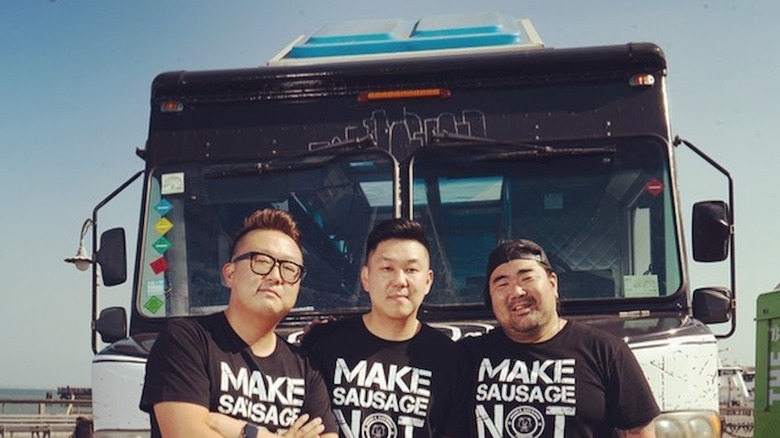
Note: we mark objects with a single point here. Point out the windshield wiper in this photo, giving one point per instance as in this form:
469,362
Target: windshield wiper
548,153
353,144
445,138
295,162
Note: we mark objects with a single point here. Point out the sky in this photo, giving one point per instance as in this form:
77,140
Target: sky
75,82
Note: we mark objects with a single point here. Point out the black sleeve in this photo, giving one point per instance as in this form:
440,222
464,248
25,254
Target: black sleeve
317,402
460,418
177,368
313,344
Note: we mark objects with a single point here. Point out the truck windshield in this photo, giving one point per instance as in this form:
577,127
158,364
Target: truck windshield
602,211
194,210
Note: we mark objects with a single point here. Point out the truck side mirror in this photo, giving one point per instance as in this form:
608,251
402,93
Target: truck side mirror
711,231
712,305
112,257
112,324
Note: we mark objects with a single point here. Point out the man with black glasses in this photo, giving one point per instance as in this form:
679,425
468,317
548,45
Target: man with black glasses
228,374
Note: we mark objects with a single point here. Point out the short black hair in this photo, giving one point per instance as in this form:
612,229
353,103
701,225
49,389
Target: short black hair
268,219
404,229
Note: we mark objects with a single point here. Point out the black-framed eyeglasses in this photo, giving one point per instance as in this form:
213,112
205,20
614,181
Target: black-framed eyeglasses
262,264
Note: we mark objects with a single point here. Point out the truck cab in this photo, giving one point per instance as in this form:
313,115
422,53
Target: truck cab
469,125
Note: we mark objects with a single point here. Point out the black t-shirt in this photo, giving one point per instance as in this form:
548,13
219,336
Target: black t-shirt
583,382
383,388
203,361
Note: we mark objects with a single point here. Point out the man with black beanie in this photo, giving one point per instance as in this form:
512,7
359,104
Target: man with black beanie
539,375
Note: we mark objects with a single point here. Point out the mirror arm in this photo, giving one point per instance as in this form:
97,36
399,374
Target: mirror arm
95,249
732,240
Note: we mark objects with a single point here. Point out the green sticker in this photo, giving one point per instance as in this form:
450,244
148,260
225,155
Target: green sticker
153,304
161,245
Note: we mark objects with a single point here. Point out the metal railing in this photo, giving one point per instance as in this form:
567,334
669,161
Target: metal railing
46,406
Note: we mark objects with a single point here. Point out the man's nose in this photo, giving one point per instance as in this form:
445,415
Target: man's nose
518,289
400,278
275,274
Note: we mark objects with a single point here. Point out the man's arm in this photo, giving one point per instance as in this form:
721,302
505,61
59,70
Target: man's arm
181,419
230,427
646,431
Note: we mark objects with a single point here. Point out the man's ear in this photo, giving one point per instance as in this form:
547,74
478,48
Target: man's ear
429,282
228,270
364,277
553,277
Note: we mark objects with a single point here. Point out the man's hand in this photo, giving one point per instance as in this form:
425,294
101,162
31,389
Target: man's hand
646,431
230,427
302,428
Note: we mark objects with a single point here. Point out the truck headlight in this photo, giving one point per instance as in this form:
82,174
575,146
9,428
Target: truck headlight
688,424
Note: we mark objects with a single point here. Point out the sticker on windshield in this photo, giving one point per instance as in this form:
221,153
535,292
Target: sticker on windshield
636,286
161,245
163,226
163,207
155,287
159,266
654,187
172,183
154,303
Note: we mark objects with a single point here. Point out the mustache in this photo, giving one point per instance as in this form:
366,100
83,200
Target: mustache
526,301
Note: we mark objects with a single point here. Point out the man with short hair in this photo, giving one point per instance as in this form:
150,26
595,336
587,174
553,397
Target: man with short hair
228,374
539,375
389,374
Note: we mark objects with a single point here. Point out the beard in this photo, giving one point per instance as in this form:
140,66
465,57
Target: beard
530,323
527,320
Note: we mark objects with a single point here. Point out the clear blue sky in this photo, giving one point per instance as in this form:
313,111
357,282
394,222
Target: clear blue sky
74,93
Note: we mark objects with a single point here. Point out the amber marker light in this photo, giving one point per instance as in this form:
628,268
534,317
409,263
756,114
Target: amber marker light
642,80
171,106
417,93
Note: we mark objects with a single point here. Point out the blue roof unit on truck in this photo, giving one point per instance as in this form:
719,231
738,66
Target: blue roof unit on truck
395,38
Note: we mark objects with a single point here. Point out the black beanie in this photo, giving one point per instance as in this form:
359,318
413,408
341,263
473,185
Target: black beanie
513,250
